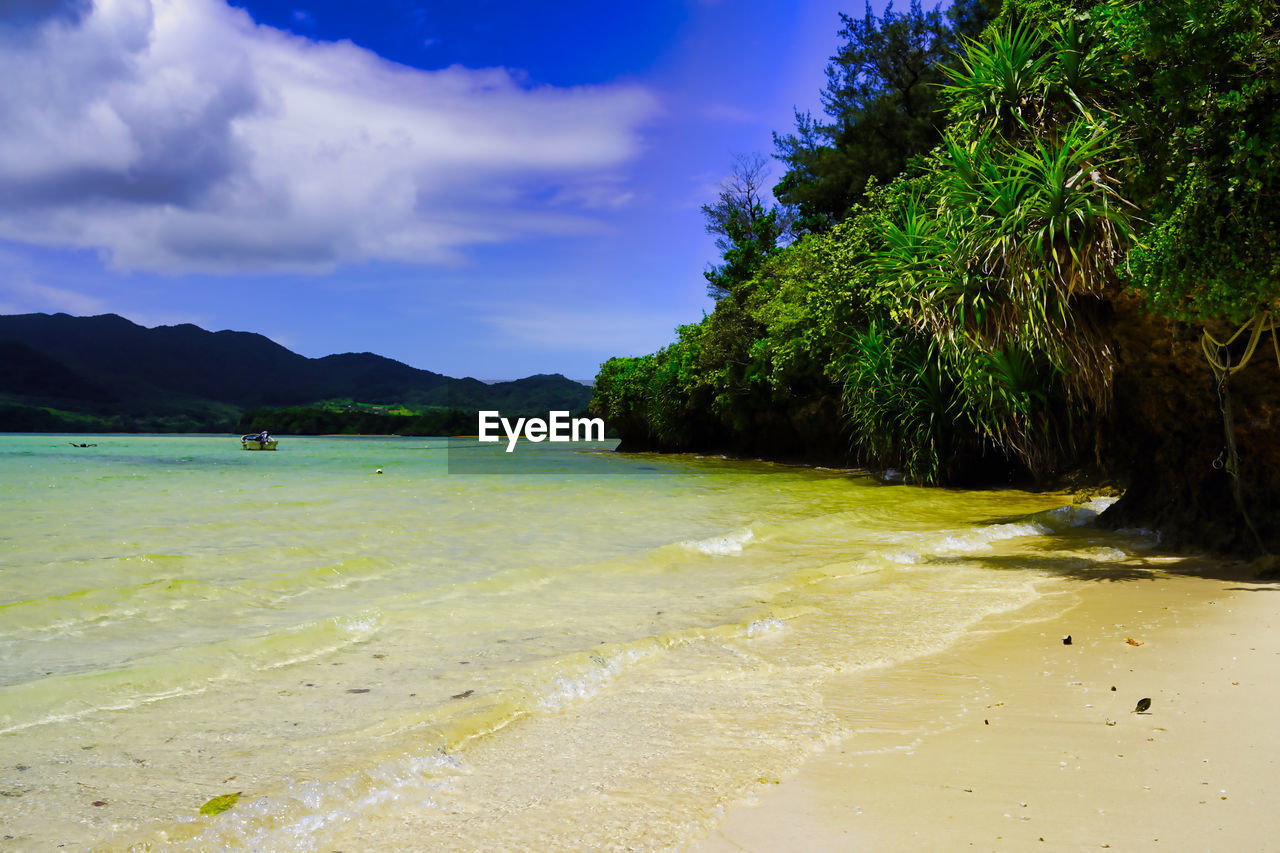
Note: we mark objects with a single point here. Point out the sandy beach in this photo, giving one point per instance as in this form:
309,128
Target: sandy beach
1014,740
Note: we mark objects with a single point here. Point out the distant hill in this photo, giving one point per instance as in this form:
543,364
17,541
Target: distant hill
73,372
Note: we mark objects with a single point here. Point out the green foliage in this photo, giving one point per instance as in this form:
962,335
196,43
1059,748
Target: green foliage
998,80
914,406
21,417
622,394
747,374
808,297
1205,114
746,232
999,254
685,394
961,312
898,402
307,420
747,241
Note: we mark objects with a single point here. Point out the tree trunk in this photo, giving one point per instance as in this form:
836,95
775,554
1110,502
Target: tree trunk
1168,446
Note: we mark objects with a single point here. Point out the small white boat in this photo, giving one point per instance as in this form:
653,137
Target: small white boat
257,441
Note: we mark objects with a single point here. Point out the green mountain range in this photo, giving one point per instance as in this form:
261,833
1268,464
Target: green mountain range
105,373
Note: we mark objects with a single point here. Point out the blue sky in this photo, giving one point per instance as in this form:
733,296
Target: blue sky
488,188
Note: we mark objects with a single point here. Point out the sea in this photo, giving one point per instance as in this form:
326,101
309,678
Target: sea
372,646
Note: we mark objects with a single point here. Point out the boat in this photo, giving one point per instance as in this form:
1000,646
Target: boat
257,441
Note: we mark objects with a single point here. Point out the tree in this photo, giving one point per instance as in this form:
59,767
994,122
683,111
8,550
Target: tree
1208,120
1203,108
1001,255
1176,107
746,231
882,99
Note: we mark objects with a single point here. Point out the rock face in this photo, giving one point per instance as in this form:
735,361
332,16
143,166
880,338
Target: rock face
1166,441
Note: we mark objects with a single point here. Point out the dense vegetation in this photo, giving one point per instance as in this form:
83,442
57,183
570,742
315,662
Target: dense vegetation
314,420
22,417
1003,269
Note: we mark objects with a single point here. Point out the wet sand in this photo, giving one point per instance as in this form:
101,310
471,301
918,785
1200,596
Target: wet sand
1013,740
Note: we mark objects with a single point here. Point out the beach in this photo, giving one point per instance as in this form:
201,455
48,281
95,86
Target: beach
1013,740
600,651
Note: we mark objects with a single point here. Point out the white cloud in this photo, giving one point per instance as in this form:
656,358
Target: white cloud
24,290
606,330
25,296
177,135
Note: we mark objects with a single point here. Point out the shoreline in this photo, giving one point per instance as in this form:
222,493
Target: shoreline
1013,740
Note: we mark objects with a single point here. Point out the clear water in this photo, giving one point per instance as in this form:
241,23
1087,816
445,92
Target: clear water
594,651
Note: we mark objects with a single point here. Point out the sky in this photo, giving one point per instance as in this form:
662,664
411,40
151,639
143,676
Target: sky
492,188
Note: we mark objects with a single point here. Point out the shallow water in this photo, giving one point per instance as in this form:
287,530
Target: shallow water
593,651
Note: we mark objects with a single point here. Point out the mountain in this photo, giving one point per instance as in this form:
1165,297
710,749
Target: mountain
182,377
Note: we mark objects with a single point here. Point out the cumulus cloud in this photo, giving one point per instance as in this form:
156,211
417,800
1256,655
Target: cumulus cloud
178,135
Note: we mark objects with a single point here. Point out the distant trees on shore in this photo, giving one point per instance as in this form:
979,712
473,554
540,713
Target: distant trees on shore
305,420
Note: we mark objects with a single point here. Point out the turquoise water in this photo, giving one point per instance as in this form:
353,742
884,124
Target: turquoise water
593,651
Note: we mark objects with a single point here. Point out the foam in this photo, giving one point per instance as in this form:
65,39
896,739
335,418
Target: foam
589,680
1081,514
768,625
721,546
1106,555
982,538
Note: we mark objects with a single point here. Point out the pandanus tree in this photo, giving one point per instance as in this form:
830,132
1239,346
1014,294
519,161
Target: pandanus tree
1020,255
998,259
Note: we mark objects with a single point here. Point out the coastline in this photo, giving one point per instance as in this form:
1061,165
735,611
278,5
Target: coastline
1012,740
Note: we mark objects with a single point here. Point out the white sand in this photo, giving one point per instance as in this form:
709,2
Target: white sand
1014,741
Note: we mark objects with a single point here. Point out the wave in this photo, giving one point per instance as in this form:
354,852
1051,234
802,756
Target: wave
52,617
56,699
983,538
1078,515
433,742
721,546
